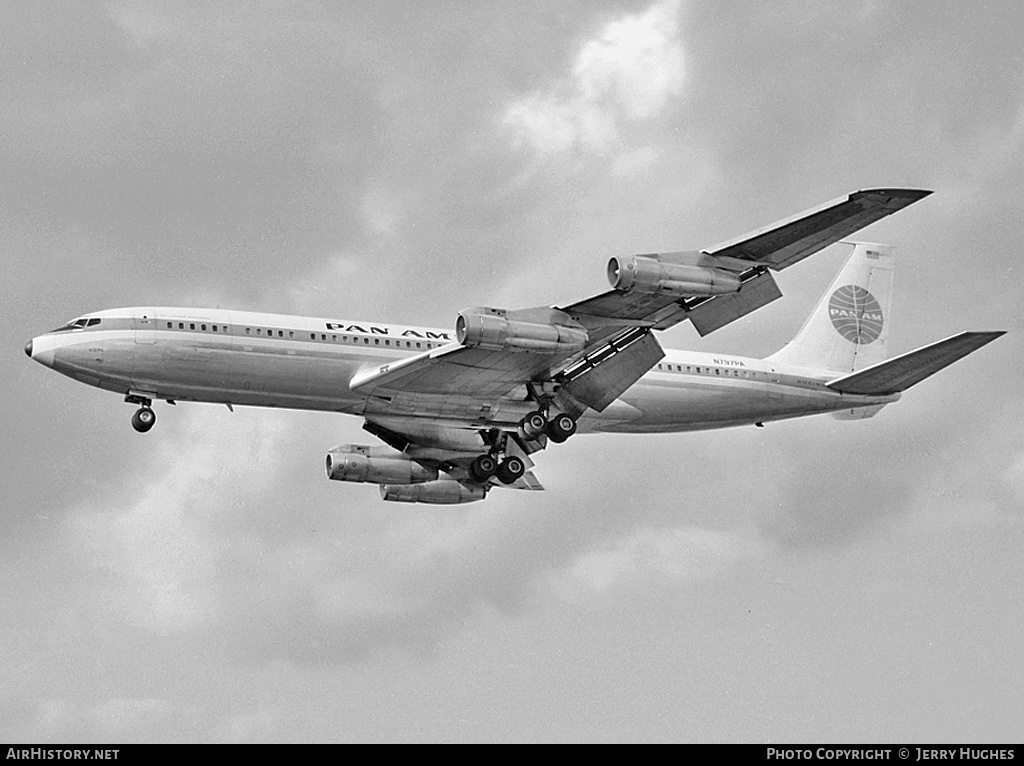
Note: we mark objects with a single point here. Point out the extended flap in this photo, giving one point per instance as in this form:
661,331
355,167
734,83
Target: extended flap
604,375
723,309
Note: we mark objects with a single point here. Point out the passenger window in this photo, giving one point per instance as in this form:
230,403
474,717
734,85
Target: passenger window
376,341
291,333
203,328
280,333
323,336
192,325
334,338
418,345
170,325
387,343
181,325
366,341
312,336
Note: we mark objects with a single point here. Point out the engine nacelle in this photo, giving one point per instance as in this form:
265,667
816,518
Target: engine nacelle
649,274
354,462
545,331
440,492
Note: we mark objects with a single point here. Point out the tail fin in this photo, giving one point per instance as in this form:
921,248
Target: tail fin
849,329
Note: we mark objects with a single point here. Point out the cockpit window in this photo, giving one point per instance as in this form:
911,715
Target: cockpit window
78,324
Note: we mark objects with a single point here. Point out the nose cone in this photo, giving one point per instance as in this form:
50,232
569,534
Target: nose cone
41,352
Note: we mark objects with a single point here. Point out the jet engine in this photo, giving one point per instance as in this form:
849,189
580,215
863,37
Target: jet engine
440,492
545,330
354,462
677,274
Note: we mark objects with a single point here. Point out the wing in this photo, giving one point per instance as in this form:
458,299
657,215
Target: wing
608,334
774,247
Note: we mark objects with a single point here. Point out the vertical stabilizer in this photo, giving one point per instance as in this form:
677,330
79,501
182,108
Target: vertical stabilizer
849,328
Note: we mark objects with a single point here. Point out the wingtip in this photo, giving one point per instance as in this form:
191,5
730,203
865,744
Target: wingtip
900,193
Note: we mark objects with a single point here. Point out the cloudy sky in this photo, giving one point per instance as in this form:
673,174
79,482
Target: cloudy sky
813,580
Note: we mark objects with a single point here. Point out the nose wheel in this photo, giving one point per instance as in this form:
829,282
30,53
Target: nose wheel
143,420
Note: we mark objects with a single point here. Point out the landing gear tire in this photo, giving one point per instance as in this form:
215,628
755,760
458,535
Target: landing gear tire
143,420
511,469
533,425
561,428
483,468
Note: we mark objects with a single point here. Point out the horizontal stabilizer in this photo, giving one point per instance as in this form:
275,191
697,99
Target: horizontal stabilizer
906,370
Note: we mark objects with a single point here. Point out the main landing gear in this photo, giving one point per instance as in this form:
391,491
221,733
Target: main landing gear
508,471
144,418
558,429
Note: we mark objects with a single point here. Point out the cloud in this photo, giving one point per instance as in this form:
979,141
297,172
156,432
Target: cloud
157,537
624,75
675,557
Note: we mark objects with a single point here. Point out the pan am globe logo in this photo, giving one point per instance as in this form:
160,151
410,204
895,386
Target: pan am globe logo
855,314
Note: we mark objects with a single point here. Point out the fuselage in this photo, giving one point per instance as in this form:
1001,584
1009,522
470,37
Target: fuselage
275,360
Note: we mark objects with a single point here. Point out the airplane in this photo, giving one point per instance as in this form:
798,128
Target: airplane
462,412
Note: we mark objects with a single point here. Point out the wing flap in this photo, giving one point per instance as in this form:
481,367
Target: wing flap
710,315
902,372
601,377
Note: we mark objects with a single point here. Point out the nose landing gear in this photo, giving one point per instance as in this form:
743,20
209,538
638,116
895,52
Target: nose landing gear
143,420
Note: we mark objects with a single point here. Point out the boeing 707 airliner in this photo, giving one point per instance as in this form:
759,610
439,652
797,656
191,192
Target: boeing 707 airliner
462,411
